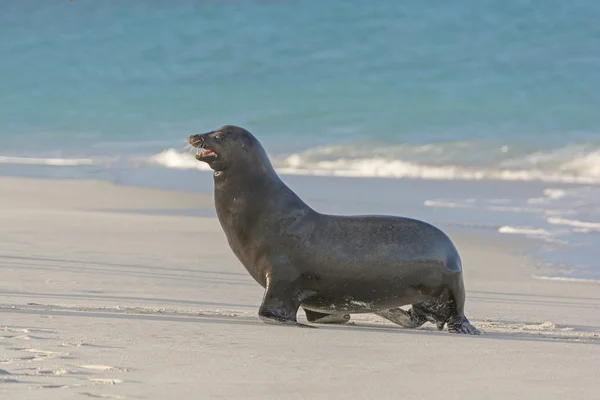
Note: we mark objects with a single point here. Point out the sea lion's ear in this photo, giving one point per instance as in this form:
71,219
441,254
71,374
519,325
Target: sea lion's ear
246,144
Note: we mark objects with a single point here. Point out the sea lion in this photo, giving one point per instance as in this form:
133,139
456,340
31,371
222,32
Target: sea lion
329,265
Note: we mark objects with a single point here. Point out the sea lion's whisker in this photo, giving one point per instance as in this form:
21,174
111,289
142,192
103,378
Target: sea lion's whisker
188,148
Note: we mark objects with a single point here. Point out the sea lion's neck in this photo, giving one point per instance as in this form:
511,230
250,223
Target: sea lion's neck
256,192
249,205
245,199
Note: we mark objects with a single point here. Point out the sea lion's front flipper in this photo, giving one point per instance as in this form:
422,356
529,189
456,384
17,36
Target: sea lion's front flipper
280,303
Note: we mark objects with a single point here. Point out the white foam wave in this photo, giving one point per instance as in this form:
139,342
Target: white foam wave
582,225
63,162
375,167
401,169
586,164
515,230
572,165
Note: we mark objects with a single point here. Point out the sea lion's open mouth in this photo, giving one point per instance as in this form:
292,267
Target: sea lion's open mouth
203,153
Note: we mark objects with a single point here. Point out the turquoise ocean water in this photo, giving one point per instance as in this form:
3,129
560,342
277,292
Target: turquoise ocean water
469,90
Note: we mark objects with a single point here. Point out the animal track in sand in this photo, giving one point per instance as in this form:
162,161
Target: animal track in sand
6,377
21,337
35,372
20,334
42,352
31,361
10,380
101,368
37,355
26,334
52,372
25,330
107,381
104,368
83,344
102,396
50,387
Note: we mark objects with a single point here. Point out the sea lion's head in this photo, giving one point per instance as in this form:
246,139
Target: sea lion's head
230,147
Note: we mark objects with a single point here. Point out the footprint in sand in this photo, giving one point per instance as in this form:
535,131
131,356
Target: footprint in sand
104,368
50,387
8,334
34,372
6,377
24,330
107,381
57,372
95,367
46,353
10,380
39,354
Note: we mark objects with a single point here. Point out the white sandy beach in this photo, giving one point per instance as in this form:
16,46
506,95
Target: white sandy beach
106,294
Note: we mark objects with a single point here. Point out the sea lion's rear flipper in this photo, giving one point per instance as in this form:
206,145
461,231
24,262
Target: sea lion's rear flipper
322,318
407,319
461,324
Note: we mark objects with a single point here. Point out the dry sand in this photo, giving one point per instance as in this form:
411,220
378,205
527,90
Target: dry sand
105,294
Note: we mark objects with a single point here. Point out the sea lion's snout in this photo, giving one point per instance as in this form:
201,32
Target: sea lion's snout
204,153
195,140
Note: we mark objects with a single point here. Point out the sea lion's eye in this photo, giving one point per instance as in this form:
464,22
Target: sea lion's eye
218,137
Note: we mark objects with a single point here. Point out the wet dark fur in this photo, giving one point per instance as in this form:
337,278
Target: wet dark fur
329,265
